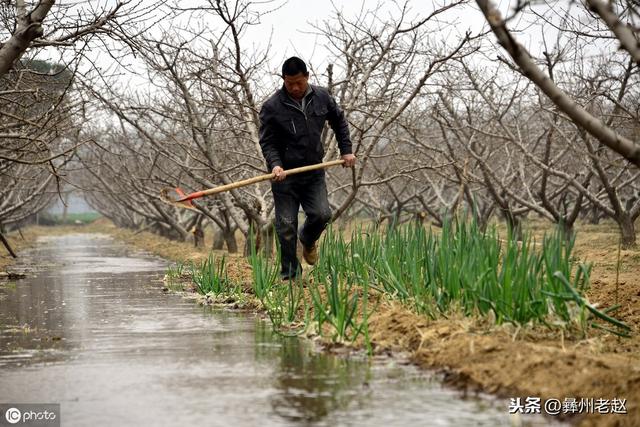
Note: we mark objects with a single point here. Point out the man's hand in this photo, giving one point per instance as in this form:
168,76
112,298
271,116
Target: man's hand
349,161
279,174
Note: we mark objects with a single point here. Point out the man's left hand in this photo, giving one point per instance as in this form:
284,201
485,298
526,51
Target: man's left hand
349,160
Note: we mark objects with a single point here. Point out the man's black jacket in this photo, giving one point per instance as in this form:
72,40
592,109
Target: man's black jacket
290,137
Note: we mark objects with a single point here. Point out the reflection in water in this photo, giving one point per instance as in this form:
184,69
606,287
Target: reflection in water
68,296
32,321
91,330
311,385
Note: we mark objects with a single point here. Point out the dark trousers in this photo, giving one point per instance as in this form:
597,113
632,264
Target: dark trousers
308,190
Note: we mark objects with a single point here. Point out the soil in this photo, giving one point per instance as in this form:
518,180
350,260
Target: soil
476,355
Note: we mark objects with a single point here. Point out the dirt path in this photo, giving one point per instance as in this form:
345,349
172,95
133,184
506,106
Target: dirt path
476,355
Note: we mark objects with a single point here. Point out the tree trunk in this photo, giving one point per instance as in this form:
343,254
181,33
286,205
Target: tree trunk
65,208
567,229
513,223
627,231
218,241
6,245
594,215
268,238
29,28
198,236
230,239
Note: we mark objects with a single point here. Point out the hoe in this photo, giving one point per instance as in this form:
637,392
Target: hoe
184,200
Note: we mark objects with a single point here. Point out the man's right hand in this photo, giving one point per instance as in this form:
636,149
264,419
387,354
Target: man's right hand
279,174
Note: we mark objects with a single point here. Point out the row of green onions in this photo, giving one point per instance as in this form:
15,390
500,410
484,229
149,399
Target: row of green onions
460,267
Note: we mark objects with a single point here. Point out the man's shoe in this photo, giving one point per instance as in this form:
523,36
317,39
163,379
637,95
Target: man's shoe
310,254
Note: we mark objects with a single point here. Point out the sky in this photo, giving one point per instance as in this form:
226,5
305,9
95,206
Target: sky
287,29
288,25
292,32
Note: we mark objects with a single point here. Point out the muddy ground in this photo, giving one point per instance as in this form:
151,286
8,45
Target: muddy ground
476,355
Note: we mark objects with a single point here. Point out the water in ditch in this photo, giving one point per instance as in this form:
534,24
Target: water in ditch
90,329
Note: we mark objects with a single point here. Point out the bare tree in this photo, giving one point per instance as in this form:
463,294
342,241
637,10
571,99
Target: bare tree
39,106
198,125
624,146
595,109
384,69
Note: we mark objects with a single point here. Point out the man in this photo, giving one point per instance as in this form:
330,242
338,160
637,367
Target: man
291,123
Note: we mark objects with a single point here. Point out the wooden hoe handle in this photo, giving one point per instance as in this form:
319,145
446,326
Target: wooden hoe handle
256,179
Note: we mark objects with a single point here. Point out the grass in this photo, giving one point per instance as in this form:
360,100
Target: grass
210,277
175,276
515,281
71,219
176,271
283,304
460,268
10,285
282,301
340,297
264,273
